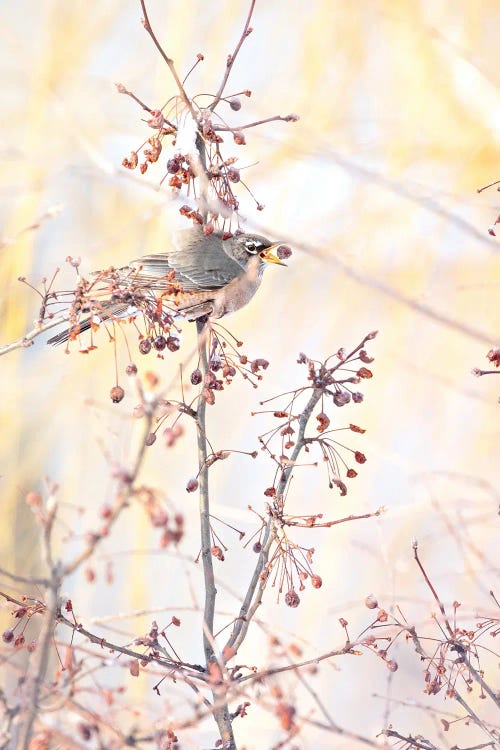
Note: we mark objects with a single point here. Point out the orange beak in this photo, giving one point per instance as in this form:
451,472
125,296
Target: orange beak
270,257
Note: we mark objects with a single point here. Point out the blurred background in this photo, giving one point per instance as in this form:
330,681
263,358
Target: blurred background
375,188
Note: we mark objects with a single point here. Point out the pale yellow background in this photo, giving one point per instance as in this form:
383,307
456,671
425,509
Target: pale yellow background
400,124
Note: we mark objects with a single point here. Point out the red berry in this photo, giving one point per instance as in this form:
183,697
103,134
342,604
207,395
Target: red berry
117,393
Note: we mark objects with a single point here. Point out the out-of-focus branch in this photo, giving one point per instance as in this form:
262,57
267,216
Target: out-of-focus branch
123,496
39,661
28,338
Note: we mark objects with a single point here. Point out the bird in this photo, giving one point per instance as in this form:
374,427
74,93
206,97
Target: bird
202,276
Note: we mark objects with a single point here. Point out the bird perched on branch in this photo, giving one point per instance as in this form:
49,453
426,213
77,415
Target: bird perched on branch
202,276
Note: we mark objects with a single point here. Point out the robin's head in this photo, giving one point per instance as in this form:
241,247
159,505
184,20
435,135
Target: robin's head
244,247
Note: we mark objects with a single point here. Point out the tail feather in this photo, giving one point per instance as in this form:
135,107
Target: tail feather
107,310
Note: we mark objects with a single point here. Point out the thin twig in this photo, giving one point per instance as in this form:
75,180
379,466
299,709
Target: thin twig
286,118
124,494
28,338
168,60
232,58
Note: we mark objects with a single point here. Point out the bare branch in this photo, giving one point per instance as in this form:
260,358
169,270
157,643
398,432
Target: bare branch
231,58
28,338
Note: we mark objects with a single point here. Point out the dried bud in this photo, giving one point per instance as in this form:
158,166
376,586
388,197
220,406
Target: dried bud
209,396
239,138
192,485
156,120
151,438
208,228
173,166
357,397
131,369
173,343
355,428
89,574
341,398
196,376
145,346
364,373
217,552
257,547
134,668
84,730
132,162
19,641
316,582
117,393
159,343
340,484
235,104
364,357
233,175
371,602
323,420
382,615
8,635
105,511
392,665
360,457
259,363
292,599
494,357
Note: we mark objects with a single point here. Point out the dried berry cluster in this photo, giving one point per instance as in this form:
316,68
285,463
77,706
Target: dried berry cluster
330,385
193,162
16,634
225,361
203,172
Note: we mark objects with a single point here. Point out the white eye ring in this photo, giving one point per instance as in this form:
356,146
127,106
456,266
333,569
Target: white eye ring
251,247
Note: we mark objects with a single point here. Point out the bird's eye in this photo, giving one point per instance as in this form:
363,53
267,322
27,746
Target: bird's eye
251,246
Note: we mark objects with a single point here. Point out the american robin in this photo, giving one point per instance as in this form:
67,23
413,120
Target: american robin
203,275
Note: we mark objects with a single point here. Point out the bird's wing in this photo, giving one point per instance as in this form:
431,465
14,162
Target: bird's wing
199,262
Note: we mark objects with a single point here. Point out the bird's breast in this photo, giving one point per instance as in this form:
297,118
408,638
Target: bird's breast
236,294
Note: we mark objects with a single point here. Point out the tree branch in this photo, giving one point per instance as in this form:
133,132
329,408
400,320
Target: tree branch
258,583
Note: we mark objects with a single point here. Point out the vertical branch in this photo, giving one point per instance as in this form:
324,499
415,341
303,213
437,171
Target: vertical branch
206,556
39,661
168,60
38,665
220,710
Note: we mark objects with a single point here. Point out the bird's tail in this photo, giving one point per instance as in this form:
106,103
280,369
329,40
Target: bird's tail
107,310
